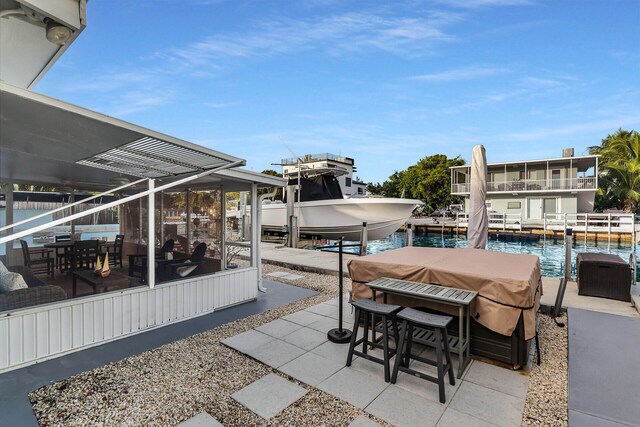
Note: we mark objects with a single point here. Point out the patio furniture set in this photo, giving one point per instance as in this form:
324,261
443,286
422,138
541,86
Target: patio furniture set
78,258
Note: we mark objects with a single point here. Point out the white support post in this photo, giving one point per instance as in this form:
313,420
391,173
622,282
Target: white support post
223,231
255,232
586,227
151,236
609,226
188,223
520,225
504,221
161,218
73,211
9,220
139,222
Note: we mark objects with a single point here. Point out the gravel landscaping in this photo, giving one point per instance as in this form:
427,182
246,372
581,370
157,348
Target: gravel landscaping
547,394
172,383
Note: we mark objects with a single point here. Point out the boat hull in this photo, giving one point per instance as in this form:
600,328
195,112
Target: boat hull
332,219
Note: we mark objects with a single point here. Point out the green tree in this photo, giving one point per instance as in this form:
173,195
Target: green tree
619,180
428,180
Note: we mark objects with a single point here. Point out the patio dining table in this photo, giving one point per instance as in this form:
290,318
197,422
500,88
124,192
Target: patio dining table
67,246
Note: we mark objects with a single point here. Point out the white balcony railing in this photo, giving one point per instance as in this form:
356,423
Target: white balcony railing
588,183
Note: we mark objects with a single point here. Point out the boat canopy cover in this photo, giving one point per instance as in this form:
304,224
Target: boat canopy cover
321,187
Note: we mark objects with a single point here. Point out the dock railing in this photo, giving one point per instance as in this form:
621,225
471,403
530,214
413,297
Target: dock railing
591,222
503,221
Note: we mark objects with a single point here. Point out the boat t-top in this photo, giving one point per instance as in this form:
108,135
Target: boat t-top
330,204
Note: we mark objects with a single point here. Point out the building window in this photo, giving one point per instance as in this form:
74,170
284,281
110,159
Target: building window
514,205
347,182
360,190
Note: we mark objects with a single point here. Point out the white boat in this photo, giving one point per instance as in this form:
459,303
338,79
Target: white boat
330,204
332,219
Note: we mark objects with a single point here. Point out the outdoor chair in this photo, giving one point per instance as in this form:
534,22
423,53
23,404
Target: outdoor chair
138,262
84,254
177,269
62,253
115,254
43,263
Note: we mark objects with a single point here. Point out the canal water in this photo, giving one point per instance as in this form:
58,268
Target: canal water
550,251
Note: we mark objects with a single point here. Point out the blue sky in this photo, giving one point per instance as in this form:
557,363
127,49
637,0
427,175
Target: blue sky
383,82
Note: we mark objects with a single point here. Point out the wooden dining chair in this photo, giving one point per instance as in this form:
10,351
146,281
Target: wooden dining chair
63,254
84,254
40,262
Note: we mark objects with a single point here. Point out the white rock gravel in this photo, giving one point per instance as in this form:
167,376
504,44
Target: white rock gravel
175,382
546,403
172,383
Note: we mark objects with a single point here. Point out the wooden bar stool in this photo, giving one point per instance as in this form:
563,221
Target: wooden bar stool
410,318
369,308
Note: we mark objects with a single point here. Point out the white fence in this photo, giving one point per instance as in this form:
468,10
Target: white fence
503,221
39,333
594,222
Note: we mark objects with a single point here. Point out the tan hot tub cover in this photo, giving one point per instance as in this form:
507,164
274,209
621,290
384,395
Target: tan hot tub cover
507,284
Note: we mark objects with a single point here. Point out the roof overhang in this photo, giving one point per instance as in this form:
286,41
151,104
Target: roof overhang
25,53
49,142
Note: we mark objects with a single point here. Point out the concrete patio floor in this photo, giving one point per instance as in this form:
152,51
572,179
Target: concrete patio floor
296,345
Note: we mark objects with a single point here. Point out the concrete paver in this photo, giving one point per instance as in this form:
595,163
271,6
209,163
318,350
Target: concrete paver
403,408
201,420
269,395
604,380
362,421
498,378
353,386
311,368
487,404
278,328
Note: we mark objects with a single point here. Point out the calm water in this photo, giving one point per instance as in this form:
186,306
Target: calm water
550,252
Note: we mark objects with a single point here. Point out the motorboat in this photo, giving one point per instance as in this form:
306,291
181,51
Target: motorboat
328,203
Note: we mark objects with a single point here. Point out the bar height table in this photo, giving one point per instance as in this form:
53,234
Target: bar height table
451,296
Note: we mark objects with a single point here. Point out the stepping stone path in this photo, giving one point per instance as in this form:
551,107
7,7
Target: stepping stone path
269,395
283,275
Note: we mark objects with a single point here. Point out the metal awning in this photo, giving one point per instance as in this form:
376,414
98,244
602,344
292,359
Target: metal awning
49,142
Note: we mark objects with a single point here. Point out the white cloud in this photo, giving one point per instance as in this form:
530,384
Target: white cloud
336,35
468,73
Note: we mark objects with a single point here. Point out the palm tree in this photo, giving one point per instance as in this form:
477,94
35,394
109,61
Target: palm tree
620,170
